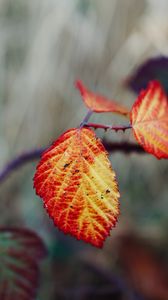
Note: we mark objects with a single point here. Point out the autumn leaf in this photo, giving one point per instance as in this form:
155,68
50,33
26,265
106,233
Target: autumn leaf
78,186
149,119
20,252
98,103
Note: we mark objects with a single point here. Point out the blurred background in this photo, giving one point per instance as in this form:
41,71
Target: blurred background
45,45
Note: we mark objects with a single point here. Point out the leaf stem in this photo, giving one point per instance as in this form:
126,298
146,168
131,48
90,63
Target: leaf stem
86,118
106,127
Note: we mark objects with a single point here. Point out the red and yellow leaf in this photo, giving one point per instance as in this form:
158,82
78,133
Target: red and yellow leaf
149,119
78,186
98,103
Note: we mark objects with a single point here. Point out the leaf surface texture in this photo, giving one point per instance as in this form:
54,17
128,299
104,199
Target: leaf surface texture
149,119
78,186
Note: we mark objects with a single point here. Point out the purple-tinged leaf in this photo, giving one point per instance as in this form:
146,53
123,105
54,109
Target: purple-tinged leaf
20,253
153,69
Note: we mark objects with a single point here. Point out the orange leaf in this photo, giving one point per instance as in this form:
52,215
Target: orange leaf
78,186
149,119
98,103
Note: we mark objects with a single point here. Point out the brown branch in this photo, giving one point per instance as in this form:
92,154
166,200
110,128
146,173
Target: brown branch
108,127
19,161
35,154
124,147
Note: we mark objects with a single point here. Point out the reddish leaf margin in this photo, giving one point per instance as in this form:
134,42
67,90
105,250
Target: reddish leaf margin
149,120
98,103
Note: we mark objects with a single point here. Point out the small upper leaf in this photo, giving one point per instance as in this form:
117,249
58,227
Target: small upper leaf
153,69
149,119
78,186
20,252
98,103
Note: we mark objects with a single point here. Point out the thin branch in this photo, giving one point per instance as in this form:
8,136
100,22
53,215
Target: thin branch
35,154
86,118
123,147
87,291
19,161
108,127
114,279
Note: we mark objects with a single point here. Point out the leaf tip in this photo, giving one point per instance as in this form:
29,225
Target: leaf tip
79,85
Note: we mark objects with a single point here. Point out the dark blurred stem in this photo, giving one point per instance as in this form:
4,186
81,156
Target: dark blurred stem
86,118
105,127
115,280
19,161
124,147
35,154
79,292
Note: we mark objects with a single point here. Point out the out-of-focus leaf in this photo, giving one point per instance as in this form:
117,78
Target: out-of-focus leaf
143,268
98,103
20,253
149,119
78,186
153,69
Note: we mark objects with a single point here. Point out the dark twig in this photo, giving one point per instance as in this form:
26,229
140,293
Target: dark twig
123,147
106,127
90,290
19,161
115,280
35,154
86,118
